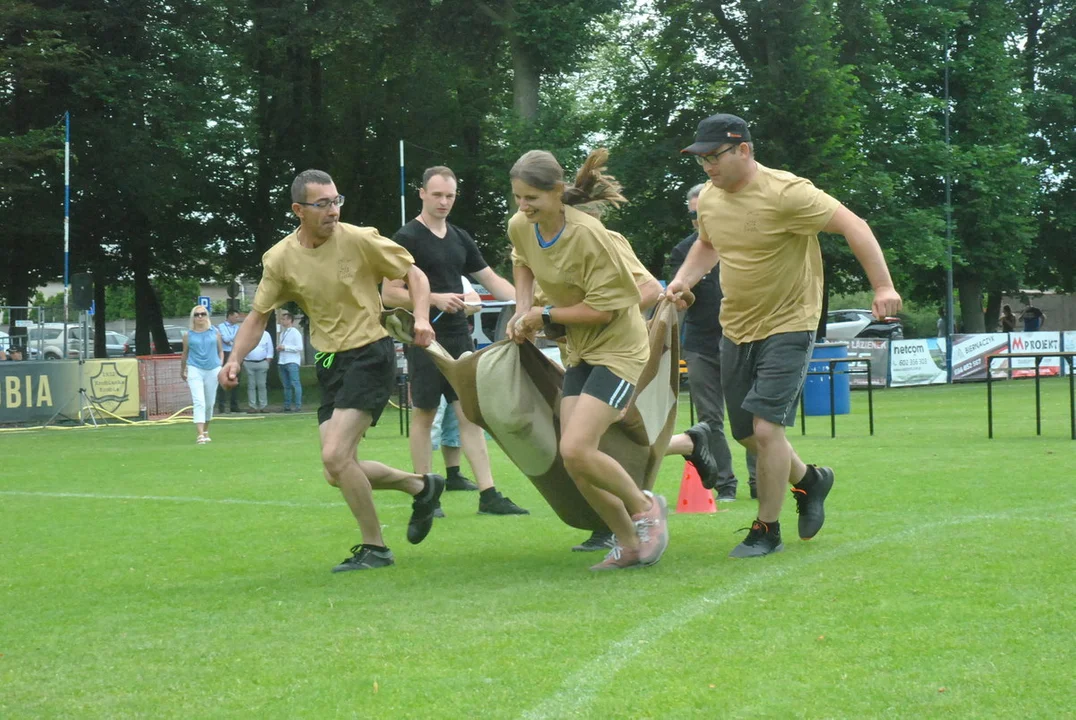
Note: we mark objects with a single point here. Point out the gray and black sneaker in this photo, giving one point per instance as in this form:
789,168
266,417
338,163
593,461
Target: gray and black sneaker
762,539
700,456
423,507
810,502
598,540
460,482
726,494
438,512
364,558
497,504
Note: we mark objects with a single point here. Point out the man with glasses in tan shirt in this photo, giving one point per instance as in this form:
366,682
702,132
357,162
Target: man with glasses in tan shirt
332,270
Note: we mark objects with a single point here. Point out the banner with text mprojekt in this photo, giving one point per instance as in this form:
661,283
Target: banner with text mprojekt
1035,342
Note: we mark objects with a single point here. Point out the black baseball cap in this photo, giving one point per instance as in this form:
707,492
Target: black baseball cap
718,130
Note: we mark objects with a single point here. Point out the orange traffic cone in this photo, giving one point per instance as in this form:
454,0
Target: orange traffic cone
694,498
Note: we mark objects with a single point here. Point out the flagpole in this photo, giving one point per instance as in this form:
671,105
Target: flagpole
67,222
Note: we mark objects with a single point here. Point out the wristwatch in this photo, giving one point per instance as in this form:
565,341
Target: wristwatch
547,318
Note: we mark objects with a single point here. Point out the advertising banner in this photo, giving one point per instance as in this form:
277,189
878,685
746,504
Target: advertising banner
917,362
1068,344
1035,342
37,391
970,352
877,351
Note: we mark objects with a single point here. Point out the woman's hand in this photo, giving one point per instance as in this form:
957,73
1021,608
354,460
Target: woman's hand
524,326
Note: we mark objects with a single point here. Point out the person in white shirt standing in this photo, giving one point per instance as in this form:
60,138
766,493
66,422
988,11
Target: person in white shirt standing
256,364
289,347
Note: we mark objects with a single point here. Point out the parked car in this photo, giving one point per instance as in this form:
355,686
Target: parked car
175,335
6,344
844,325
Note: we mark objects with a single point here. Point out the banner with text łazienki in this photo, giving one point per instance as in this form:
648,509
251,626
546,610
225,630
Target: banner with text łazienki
970,353
917,362
877,351
1035,342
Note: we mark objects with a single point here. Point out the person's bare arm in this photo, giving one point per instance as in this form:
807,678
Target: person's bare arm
865,247
183,361
650,290
394,293
497,285
418,289
248,336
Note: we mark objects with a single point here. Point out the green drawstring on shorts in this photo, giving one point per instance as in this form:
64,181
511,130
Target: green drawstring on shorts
325,359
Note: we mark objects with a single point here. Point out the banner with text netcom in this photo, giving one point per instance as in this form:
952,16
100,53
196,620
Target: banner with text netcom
1035,342
37,391
970,353
917,362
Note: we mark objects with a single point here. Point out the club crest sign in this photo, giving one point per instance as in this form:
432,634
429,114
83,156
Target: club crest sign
108,388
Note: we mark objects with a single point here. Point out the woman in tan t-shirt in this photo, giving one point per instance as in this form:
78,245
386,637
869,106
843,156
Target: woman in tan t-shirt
580,270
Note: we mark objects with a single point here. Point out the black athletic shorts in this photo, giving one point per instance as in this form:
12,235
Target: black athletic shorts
427,382
764,379
598,381
358,379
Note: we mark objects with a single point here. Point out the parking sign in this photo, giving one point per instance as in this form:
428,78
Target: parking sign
205,302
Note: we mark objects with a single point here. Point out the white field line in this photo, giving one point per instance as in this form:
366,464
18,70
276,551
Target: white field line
581,687
170,498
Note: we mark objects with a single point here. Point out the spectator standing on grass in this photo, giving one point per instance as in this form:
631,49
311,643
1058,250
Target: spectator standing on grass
1008,320
701,352
763,225
572,258
445,431
290,355
203,355
446,252
227,330
256,366
1033,318
331,270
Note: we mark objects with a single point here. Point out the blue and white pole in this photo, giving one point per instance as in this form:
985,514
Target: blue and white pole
403,204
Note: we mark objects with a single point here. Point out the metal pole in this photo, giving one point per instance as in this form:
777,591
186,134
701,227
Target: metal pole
67,223
403,189
949,319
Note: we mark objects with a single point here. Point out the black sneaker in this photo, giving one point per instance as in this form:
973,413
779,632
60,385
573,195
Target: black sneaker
760,540
423,507
598,540
700,456
726,494
364,558
810,502
459,482
754,491
498,504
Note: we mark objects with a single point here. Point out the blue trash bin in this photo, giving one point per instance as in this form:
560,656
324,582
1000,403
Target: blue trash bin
816,389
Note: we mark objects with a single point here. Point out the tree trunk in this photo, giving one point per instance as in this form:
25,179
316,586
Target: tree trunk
99,339
993,310
525,82
148,320
971,304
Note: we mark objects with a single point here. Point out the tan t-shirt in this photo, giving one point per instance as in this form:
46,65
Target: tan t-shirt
771,265
638,271
585,265
335,284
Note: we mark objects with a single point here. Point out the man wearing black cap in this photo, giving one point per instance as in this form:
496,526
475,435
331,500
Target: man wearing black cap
763,225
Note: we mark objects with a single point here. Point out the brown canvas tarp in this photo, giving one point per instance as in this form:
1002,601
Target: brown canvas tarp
513,392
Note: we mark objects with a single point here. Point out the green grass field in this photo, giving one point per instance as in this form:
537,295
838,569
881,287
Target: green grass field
144,576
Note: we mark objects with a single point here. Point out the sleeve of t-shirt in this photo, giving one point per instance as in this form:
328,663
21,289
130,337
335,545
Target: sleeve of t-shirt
609,282
385,257
473,260
515,228
805,209
639,273
270,293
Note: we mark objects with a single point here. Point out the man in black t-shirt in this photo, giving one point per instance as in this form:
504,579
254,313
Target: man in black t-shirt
702,342
446,253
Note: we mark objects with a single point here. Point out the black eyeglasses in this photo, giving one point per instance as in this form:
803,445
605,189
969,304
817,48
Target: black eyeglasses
201,314
322,204
711,158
